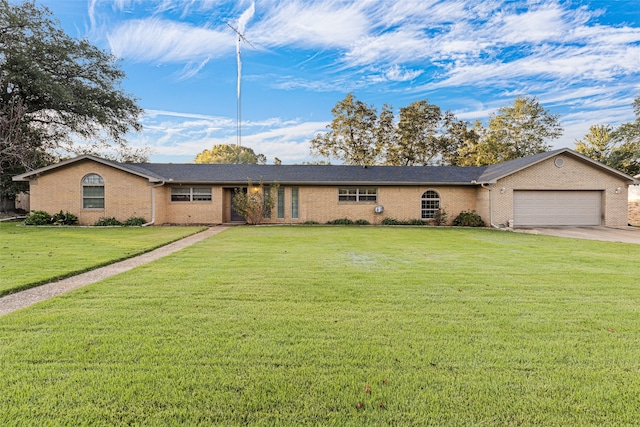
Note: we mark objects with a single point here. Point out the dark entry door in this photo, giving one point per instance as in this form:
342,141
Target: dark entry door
235,216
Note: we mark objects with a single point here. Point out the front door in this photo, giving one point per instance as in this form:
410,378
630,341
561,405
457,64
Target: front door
235,216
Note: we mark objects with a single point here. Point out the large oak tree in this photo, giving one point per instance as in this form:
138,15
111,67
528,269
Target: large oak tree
55,90
230,154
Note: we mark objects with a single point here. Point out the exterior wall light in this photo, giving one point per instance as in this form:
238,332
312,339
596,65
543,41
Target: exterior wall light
618,190
502,190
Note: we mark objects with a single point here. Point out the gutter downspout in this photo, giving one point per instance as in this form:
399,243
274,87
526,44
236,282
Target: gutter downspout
153,204
488,187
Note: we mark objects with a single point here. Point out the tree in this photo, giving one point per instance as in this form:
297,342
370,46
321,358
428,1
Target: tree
256,203
353,134
618,148
54,88
626,157
463,145
426,136
598,144
519,130
418,139
230,154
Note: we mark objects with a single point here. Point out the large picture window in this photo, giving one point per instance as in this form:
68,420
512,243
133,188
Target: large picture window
358,194
92,192
191,194
430,204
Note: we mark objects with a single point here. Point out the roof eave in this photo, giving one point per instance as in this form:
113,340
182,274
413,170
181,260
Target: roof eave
557,153
328,183
34,173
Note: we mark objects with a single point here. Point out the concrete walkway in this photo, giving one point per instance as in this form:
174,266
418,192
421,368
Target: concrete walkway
22,299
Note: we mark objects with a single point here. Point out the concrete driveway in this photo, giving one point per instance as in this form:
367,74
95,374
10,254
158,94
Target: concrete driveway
607,234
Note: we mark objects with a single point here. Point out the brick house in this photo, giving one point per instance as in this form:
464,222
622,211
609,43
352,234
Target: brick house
560,187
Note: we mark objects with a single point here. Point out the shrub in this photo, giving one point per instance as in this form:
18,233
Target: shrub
134,222
311,223
390,221
393,221
440,217
414,222
107,222
256,202
64,218
362,222
340,221
38,218
468,219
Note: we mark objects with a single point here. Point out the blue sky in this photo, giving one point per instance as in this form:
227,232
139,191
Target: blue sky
581,58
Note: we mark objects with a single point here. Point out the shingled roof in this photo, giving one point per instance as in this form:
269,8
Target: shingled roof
225,174
309,174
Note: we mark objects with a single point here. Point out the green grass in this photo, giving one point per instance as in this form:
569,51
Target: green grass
339,326
31,256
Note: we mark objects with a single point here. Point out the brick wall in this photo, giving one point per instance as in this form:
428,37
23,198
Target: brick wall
126,195
321,204
576,174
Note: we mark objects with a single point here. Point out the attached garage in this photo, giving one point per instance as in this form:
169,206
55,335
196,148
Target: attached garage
557,208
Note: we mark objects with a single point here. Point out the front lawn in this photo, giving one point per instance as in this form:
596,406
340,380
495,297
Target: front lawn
339,326
34,255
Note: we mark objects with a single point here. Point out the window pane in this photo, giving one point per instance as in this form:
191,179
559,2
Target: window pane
294,203
93,203
266,196
92,179
347,194
280,203
368,194
93,191
181,194
180,190
201,194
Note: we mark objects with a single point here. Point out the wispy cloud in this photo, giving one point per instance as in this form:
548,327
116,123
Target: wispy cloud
184,134
158,40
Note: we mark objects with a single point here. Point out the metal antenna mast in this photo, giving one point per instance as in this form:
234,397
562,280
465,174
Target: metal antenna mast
241,38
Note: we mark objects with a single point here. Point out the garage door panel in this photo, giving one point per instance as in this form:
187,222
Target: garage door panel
552,208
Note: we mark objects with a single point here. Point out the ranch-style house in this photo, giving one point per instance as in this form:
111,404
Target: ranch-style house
556,188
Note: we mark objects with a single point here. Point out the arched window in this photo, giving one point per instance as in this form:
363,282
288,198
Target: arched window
430,204
92,192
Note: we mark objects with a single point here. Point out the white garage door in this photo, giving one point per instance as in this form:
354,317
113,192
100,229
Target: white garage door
550,208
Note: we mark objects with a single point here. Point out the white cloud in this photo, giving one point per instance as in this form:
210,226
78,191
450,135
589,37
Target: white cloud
310,24
158,40
185,135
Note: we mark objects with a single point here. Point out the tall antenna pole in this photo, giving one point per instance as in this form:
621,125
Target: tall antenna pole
241,38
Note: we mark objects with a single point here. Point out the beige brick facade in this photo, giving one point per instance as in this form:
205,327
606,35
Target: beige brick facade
130,195
575,174
321,204
126,195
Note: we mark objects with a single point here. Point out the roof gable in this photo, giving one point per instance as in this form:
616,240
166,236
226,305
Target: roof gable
120,166
500,170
